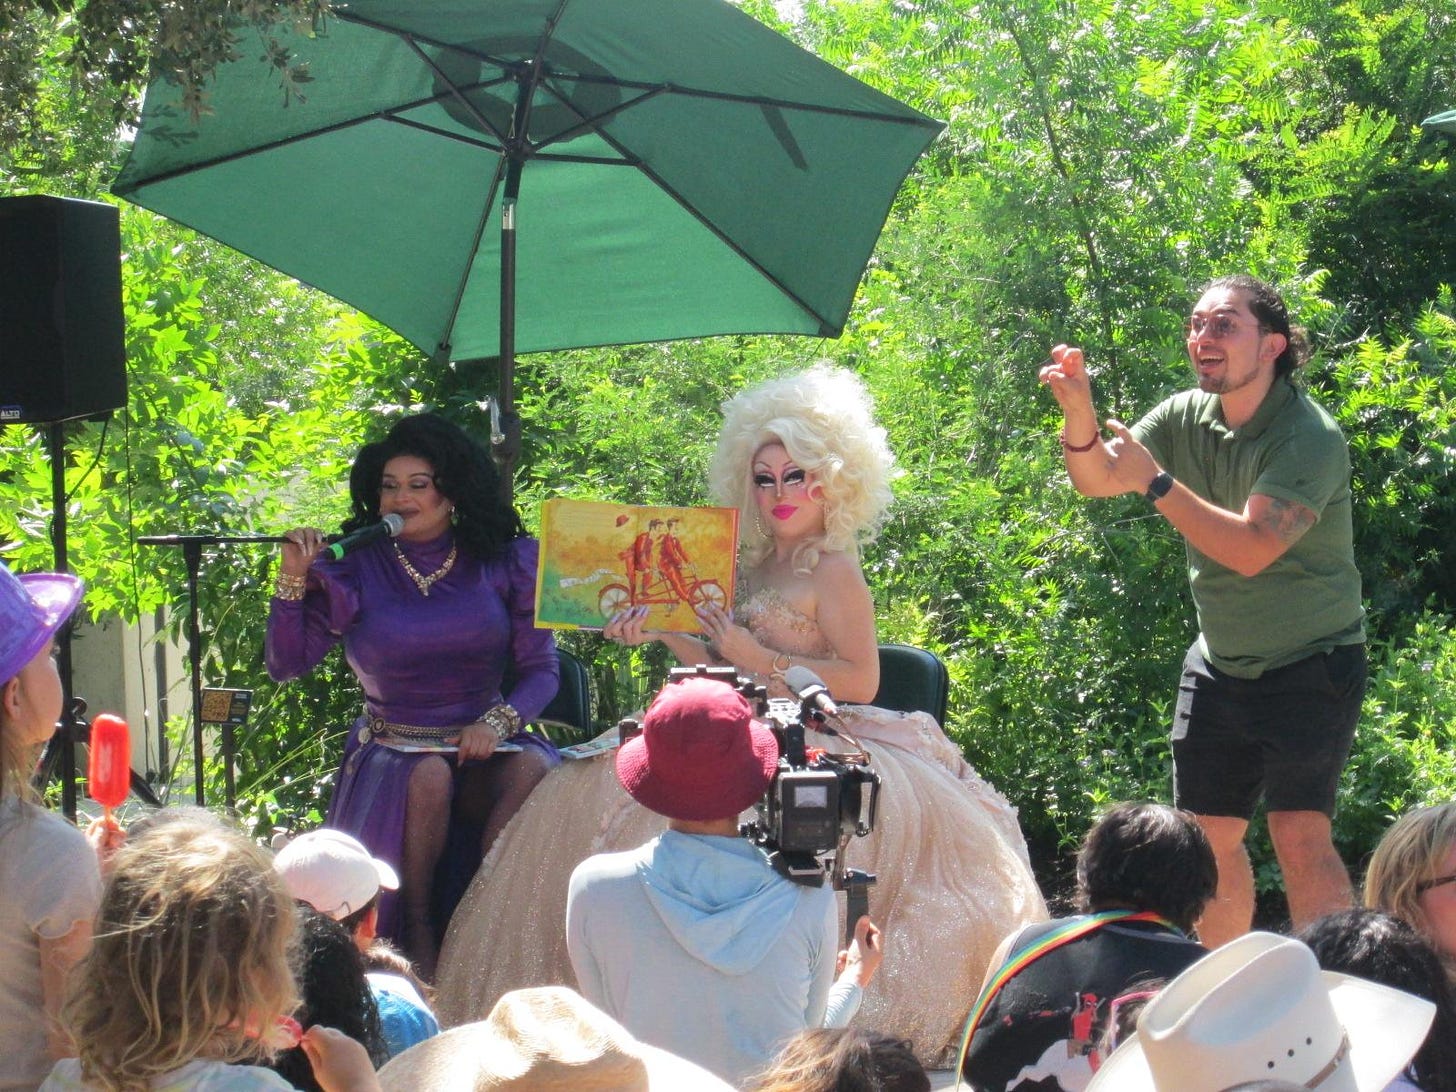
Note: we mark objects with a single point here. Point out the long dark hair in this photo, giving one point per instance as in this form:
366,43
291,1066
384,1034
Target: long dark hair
1381,948
484,521
329,969
1269,308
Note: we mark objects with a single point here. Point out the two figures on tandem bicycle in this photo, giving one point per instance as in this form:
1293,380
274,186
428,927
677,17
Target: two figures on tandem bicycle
659,572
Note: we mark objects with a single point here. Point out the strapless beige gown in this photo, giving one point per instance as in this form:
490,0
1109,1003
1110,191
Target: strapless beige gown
952,868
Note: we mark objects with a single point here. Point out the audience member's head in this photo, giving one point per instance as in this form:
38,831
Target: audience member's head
32,608
843,1060
1123,1012
336,875
1412,875
548,1039
384,957
701,756
329,969
1382,948
1259,1009
190,958
1147,857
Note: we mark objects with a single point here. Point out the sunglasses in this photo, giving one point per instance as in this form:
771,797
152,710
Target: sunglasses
1217,326
1439,881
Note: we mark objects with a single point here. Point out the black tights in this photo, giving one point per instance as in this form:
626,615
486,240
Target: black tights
483,795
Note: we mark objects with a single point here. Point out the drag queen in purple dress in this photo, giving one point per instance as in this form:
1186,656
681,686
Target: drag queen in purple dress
433,623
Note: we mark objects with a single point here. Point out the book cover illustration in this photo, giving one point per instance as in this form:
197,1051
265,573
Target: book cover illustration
598,558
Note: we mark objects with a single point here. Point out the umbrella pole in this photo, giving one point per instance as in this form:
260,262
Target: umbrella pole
507,449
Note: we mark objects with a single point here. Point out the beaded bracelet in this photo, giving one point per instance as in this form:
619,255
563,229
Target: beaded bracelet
1088,446
503,720
289,588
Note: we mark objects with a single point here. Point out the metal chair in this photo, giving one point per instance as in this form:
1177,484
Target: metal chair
569,713
913,679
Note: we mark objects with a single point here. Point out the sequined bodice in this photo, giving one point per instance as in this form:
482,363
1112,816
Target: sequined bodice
781,626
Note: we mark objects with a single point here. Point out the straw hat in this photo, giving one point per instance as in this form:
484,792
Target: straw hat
701,755
333,872
548,1039
32,608
1259,1008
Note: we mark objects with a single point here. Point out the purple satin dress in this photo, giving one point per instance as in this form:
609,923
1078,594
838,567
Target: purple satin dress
435,660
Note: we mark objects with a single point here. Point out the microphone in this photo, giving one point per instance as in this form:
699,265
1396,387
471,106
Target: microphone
390,525
810,688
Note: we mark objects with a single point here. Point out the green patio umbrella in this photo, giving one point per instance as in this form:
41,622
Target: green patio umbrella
1446,122
494,176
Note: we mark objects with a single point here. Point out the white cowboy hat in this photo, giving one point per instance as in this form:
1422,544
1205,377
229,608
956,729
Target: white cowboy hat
1259,1008
548,1039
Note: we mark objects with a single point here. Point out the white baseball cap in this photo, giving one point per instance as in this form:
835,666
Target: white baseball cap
333,872
1259,1008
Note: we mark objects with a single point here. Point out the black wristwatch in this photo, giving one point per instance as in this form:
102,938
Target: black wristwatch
1159,486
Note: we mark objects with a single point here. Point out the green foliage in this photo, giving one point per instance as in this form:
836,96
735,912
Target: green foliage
1405,750
109,49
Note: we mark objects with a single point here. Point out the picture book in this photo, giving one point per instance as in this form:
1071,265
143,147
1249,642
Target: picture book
599,558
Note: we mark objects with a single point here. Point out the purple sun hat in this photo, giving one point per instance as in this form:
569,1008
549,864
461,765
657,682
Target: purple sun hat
32,608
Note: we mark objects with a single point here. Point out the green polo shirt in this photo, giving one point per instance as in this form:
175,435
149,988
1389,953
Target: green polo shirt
1306,601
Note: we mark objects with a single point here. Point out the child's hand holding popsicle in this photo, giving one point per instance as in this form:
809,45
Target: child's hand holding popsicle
108,776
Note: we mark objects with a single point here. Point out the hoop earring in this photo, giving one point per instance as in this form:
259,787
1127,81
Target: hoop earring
758,523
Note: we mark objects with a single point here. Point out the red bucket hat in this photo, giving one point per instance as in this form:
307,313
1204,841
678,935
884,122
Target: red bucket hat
32,608
701,755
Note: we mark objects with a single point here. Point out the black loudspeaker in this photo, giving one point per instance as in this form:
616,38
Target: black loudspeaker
62,334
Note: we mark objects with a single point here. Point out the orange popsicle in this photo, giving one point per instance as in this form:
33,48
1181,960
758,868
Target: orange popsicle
109,772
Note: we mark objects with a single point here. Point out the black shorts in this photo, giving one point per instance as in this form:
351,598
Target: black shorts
1284,736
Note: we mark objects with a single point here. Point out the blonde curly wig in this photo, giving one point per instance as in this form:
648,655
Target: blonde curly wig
825,420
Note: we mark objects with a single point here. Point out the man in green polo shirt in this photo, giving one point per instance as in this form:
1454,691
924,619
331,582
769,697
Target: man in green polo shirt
1256,478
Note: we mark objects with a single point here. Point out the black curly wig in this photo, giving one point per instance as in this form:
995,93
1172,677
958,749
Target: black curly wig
485,522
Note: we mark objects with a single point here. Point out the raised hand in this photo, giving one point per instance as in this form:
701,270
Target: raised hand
1066,376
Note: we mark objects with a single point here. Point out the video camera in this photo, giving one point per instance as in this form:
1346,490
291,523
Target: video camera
817,800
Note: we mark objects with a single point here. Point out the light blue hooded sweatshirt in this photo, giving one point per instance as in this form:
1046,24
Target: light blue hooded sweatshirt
696,945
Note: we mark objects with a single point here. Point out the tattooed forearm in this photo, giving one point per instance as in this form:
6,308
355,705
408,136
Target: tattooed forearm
1286,519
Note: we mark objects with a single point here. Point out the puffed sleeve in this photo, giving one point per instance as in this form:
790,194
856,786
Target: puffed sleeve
302,631
533,650
64,880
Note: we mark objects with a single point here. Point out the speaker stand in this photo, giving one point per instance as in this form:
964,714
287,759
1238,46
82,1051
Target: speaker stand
66,734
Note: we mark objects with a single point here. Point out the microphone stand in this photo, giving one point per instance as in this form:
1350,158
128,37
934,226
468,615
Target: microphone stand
192,556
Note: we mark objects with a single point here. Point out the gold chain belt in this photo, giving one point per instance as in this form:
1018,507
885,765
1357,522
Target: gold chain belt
376,727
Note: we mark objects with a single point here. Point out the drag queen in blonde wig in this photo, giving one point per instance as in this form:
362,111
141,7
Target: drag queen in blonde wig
809,469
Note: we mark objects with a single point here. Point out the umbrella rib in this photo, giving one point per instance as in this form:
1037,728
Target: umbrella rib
435,130
591,124
455,92
643,85
919,120
443,348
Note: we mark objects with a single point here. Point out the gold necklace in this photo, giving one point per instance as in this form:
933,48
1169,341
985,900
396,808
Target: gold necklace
424,582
